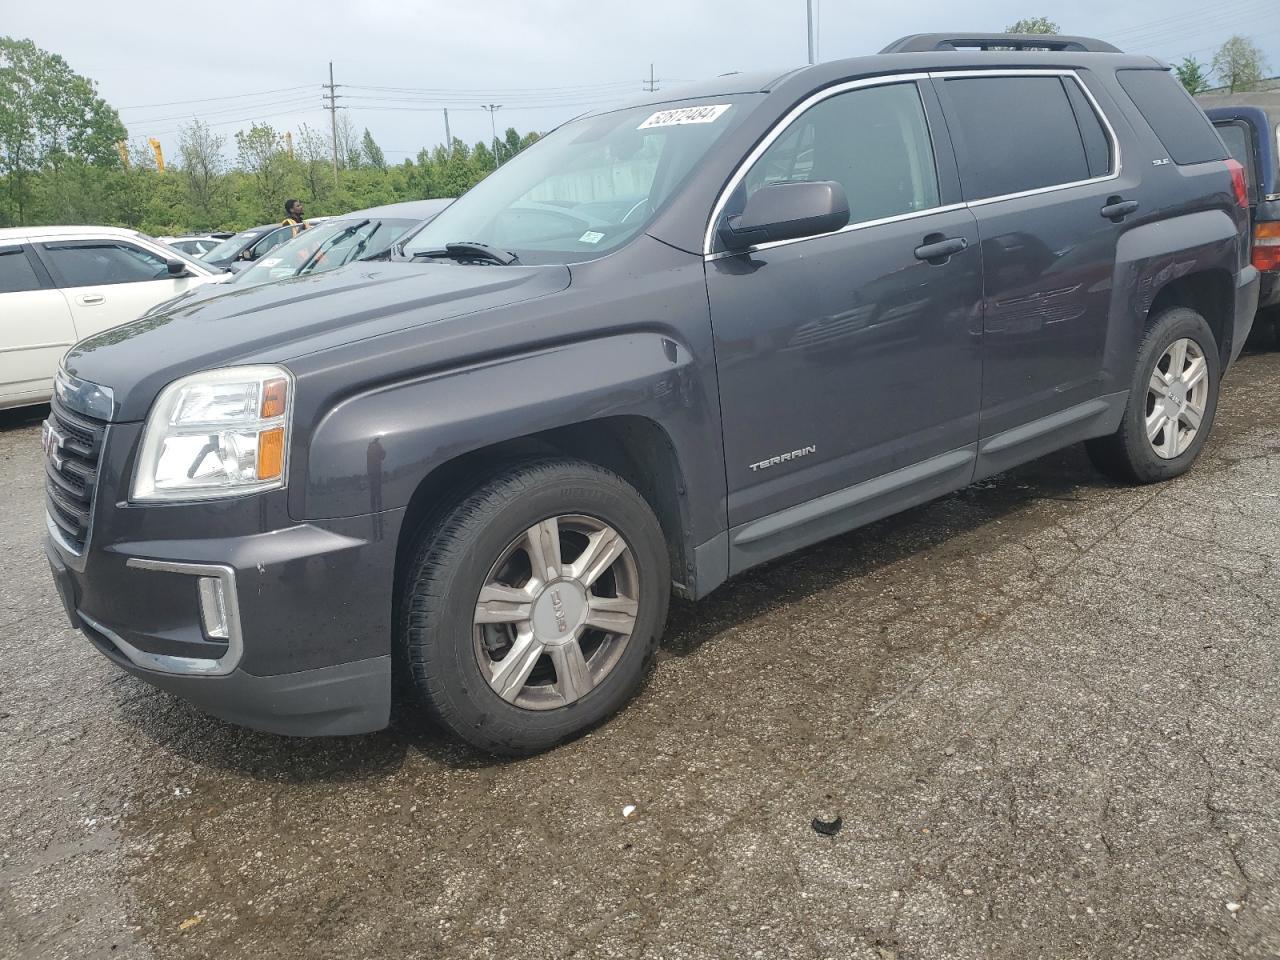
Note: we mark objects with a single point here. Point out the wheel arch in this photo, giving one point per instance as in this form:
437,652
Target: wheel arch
1187,260
635,447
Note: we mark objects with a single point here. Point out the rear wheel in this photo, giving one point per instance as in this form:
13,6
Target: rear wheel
534,606
1172,401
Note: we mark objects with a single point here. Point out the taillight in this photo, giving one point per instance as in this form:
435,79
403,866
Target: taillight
1266,246
1238,185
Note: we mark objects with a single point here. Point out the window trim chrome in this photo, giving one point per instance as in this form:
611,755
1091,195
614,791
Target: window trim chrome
740,172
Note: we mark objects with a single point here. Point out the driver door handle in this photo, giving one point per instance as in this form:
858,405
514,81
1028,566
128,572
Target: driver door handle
90,299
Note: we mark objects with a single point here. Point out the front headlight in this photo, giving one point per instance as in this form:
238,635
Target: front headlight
221,433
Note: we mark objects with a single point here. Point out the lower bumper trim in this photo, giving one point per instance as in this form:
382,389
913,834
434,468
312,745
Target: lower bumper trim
339,700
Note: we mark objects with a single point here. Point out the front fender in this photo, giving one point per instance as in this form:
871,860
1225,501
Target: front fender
370,452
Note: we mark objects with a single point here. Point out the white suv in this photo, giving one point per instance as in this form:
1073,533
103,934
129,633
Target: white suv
61,284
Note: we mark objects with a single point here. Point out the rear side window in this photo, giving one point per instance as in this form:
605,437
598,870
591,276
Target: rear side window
16,274
1097,145
92,263
1169,110
1014,134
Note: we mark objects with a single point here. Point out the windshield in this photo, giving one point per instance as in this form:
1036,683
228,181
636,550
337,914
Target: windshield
329,245
585,188
230,247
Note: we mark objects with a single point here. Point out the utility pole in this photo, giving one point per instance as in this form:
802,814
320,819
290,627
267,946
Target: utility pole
448,137
650,85
491,109
332,97
809,23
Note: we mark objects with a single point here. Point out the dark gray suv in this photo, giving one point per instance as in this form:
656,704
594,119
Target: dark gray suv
665,344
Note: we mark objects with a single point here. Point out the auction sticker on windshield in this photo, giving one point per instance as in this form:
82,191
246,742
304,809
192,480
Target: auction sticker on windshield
673,118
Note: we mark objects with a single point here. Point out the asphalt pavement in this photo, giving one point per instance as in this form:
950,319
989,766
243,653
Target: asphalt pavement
1045,710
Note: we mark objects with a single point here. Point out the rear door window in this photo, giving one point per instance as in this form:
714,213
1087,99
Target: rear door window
16,273
1172,115
94,263
1014,134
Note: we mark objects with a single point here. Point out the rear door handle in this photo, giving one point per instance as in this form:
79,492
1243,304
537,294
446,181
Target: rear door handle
91,299
938,249
1117,209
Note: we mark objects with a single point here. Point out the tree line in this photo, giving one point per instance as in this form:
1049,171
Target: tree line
1239,64
65,157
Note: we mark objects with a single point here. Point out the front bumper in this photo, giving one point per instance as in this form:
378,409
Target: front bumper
306,645
1248,284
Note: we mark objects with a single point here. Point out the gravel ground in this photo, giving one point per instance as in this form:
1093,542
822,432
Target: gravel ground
1044,707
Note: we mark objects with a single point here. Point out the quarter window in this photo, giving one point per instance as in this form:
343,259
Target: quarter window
874,142
1172,115
1014,134
94,263
16,273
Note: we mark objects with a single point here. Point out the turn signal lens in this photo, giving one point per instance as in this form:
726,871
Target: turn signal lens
273,398
271,454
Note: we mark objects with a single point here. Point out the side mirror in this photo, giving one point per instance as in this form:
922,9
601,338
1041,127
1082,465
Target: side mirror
237,267
177,268
787,211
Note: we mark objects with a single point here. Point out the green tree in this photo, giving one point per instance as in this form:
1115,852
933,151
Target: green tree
313,153
371,152
1239,64
201,170
1191,74
49,116
271,172
1034,25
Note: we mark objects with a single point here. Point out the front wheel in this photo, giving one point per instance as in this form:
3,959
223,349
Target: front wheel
535,605
1172,401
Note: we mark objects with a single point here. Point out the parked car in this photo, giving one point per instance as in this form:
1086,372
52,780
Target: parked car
361,235
353,236
483,465
196,245
61,284
1249,124
252,244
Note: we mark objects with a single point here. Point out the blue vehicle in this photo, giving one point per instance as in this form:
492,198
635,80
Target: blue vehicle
1250,126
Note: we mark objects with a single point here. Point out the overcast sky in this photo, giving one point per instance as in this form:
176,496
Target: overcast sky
543,60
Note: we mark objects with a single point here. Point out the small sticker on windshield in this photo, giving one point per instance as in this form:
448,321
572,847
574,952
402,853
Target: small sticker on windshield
591,236
681,115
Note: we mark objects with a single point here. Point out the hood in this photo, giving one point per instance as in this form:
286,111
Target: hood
276,322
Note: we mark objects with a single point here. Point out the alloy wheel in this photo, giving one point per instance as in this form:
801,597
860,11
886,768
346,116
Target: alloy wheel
556,612
1177,394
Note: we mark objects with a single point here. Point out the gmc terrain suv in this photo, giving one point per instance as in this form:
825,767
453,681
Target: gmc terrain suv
665,344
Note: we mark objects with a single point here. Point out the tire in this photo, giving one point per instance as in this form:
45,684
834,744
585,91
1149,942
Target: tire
1131,454
496,538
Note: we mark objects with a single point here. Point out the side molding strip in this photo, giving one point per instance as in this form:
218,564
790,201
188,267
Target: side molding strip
852,496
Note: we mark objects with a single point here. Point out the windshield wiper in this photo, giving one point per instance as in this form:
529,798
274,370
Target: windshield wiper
470,250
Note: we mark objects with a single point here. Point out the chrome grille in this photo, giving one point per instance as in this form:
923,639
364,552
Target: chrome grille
72,451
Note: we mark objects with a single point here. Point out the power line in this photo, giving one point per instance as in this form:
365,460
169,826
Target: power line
230,96
456,91
238,108
1196,17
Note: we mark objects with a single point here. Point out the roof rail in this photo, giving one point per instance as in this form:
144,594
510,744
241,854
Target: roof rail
924,42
